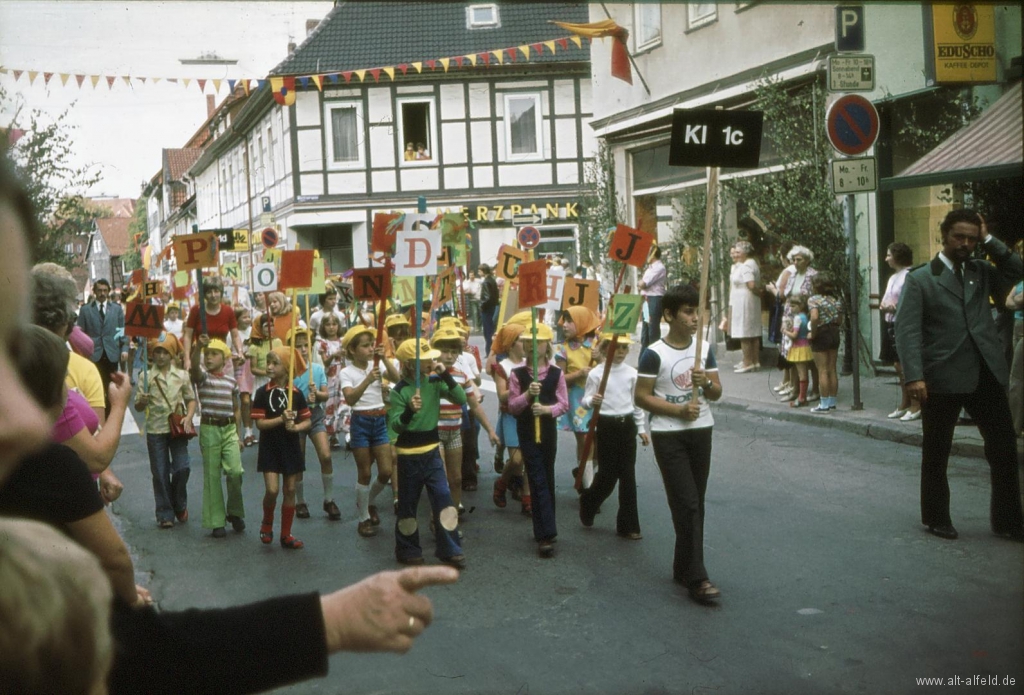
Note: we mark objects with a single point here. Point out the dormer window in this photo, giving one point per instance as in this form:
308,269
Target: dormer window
482,17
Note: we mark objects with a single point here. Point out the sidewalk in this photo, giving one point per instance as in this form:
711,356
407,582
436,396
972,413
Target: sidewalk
752,392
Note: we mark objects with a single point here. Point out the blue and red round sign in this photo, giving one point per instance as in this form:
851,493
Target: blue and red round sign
852,124
528,237
269,237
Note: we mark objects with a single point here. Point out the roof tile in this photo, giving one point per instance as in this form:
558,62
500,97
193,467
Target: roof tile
114,231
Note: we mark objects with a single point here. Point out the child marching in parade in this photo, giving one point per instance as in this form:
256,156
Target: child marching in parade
576,357
312,381
220,428
332,354
243,372
507,343
539,395
280,453
618,425
168,456
681,427
361,386
413,414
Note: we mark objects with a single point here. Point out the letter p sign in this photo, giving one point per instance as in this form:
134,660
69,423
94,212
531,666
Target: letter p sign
849,28
194,251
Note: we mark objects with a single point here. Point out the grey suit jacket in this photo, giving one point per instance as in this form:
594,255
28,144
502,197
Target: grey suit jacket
103,332
945,331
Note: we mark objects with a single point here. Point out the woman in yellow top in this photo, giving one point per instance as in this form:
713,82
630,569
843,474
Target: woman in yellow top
576,357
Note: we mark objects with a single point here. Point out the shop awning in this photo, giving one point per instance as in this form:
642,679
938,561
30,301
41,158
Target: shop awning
991,147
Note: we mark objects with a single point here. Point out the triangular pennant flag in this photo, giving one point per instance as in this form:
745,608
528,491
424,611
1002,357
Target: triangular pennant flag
202,85
3,71
186,81
333,77
127,80
64,79
418,66
564,43
538,48
390,72
110,81
173,79
576,40
156,79
318,81
95,79
347,76
216,85
445,62
32,74
512,54
361,74
260,84
525,50
485,57
46,77
231,85
550,45
470,57
404,67
375,72
500,56
304,81
143,79
245,87
79,79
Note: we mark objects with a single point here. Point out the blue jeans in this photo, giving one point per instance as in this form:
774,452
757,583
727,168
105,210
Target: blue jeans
651,331
169,464
414,472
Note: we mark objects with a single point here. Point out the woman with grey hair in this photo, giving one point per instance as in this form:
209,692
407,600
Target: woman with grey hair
744,319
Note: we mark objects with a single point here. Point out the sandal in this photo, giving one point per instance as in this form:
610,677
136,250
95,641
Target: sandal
797,404
499,494
527,505
266,534
292,543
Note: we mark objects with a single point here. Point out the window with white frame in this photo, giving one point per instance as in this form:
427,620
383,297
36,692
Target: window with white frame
647,22
97,245
700,13
271,155
523,135
345,144
261,163
482,17
416,128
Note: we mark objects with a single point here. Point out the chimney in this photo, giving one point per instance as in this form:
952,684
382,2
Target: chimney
291,47
211,105
311,24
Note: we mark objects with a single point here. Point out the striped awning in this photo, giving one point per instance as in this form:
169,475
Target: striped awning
991,147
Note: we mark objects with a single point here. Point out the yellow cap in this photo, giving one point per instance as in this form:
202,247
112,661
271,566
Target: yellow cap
353,333
396,320
298,330
173,305
455,323
522,318
624,338
445,333
543,333
407,350
221,346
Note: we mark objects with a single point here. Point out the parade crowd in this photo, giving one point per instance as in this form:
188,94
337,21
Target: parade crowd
263,373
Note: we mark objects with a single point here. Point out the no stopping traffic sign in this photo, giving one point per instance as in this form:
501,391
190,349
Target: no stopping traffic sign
852,124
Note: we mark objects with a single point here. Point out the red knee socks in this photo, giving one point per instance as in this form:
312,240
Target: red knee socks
803,391
287,514
268,512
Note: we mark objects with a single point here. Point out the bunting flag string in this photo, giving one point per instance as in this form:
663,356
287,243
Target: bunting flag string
488,58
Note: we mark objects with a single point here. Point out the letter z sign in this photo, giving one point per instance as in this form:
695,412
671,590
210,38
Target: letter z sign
712,138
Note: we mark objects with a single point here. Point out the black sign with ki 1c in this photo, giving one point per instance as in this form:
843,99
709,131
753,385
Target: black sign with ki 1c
714,138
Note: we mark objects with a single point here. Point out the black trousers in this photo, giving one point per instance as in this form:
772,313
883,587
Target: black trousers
684,459
990,409
616,443
106,368
470,451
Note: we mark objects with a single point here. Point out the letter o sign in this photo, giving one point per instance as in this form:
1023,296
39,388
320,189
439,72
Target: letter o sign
264,277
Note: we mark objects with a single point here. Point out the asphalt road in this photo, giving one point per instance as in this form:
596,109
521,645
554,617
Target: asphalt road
829,582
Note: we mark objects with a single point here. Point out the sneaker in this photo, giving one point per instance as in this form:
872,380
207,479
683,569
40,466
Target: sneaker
302,511
237,523
821,408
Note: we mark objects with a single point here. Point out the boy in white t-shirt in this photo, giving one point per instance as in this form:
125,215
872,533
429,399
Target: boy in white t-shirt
681,427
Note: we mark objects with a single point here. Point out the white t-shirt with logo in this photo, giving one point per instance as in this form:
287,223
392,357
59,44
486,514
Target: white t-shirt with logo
672,370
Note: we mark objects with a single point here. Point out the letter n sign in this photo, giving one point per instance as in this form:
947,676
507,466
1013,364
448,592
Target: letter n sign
370,284
142,319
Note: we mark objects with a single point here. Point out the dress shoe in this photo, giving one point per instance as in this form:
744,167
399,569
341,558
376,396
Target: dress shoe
302,511
237,523
631,536
944,531
586,519
911,416
366,529
747,368
456,561
219,532
181,516
896,414
410,561
704,592
545,549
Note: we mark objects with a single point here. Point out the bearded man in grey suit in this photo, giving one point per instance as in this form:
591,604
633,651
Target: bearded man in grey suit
952,357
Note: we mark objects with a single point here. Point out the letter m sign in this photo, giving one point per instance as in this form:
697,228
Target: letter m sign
145,320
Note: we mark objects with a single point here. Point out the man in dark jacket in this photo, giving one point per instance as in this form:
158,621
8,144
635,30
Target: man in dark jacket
489,301
952,357
103,321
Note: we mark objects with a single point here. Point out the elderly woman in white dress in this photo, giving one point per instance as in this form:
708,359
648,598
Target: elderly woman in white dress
745,305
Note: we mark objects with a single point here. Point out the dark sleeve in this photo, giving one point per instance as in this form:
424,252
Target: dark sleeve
649,364
53,486
243,649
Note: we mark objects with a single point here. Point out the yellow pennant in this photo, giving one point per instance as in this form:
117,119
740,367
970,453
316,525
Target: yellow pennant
64,78
127,80
32,76
551,45
576,40
499,56
155,79
525,50
95,79
445,62
187,81
361,74
390,72
471,57
216,85
318,80
418,66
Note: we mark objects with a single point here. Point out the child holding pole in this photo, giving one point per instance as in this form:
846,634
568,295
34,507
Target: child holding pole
281,424
576,357
618,425
507,343
539,393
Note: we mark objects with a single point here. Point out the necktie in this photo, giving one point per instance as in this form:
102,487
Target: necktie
959,270
103,314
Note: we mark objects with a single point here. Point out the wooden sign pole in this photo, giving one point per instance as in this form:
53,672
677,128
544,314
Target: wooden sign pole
709,219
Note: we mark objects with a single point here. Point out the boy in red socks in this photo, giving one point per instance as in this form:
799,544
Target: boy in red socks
280,453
